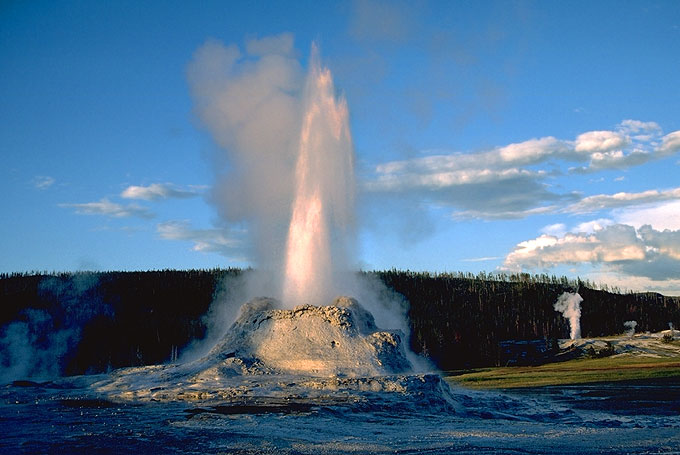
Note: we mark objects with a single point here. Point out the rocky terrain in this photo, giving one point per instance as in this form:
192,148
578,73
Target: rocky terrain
308,356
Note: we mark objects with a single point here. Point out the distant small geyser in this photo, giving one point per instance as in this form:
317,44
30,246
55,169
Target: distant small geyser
569,304
630,328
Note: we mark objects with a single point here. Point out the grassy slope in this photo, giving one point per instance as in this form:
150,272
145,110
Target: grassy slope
577,371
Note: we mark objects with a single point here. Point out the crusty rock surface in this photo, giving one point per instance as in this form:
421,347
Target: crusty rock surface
337,340
327,355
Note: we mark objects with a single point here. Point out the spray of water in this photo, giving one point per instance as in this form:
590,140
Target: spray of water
630,328
284,171
321,223
569,304
284,167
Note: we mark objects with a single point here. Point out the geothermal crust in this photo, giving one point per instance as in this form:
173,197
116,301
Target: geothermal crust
337,340
326,355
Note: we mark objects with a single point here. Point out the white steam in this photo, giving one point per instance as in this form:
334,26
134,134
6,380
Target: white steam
251,104
285,169
36,345
569,304
630,328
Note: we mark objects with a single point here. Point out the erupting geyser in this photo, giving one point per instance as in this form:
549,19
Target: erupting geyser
320,349
321,220
569,304
630,328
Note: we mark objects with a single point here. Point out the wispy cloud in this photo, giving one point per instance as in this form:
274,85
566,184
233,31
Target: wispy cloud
599,202
42,182
482,259
112,209
158,191
205,240
510,181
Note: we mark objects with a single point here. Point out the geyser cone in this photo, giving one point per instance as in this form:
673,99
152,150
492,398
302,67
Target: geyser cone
320,225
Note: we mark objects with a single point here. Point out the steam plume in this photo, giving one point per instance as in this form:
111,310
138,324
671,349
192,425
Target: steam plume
630,328
286,171
251,104
286,167
569,304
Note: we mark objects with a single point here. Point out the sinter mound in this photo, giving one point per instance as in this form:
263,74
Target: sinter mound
337,340
327,355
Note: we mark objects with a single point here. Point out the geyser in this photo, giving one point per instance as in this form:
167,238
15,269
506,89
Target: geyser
332,355
321,221
319,352
284,170
569,304
288,177
630,328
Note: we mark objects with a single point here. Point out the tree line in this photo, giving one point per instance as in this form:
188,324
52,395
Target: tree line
105,320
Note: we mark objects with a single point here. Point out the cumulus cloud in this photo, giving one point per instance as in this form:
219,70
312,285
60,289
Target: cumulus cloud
111,209
204,240
644,252
593,226
157,191
599,142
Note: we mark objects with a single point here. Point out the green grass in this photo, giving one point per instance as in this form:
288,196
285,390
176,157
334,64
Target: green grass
579,371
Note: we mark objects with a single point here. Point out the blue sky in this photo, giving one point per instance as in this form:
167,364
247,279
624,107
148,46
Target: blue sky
534,136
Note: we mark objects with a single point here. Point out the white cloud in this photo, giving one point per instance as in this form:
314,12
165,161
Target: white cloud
490,213
635,283
599,202
620,248
615,159
670,144
157,191
108,208
660,216
482,259
534,151
42,182
204,240
589,227
599,142
636,126
504,182
555,229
